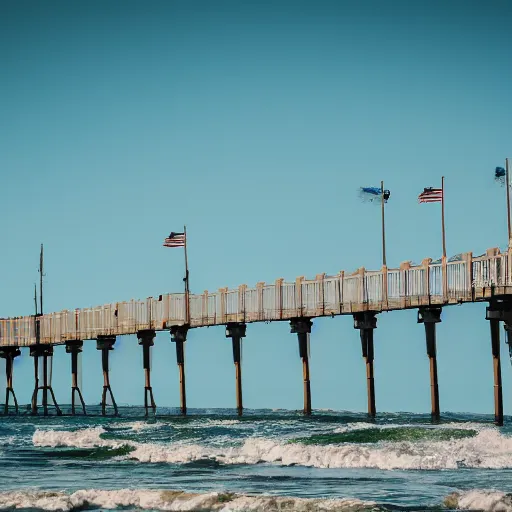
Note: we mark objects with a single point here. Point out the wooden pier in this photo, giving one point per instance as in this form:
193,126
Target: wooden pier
429,287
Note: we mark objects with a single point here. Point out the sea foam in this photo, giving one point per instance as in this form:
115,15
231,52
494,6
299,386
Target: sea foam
476,499
488,449
172,500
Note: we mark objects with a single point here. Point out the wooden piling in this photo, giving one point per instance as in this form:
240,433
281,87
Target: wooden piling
9,353
106,380
179,336
106,344
370,382
366,322
33,409
149,400
45,385
303,350
430,333
74,347
238,373
180,359
498,394
146,340
236,331
8,375
44,351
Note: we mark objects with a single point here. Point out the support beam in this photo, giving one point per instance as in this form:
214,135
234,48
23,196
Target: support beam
146,340
302,327
494,313
9,353
499,310
106,344
236,331
430,316
74,347
366,322
44,351
179,336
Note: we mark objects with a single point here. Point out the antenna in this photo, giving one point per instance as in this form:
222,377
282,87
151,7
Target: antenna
41,281
35,296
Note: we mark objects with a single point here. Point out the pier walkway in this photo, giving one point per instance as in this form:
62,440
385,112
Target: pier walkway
461,279
363,294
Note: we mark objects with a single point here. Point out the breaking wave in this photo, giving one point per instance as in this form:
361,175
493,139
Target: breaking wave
488,501
171,500
375,435
464,448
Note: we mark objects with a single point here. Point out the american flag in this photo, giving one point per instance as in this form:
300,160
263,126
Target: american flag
431,195
175,240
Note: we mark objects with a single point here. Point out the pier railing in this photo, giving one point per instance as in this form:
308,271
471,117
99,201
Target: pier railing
460,279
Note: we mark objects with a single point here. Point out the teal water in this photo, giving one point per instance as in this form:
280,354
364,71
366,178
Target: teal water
331,461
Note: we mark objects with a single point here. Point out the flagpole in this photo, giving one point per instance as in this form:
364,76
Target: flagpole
442,216
187,291
508,201
383,226
41,280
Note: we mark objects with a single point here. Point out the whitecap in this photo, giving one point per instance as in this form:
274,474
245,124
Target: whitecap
171,500
479,499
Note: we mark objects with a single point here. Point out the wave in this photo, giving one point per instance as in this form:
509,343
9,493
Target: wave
375,435
83,438
172,500
488,501
487,449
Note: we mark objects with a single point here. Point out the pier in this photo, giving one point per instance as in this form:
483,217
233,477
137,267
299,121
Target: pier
363,294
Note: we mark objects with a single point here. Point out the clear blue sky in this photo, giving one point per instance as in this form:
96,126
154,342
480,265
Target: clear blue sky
254,123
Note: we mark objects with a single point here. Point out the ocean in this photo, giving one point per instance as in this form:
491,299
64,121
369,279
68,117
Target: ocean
267,460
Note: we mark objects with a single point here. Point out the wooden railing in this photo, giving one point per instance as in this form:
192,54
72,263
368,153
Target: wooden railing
461,279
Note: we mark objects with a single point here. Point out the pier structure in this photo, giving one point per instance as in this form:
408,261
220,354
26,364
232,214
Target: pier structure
363,294
74,347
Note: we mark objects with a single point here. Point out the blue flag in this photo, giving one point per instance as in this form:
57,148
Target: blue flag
500,175
373,194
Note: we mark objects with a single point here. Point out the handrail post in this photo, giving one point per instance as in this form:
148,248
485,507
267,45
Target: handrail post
279,297
363,296
320,299
384,294
404,299
298,294
340,295
241,303
261,312
426,283
223,305
468,257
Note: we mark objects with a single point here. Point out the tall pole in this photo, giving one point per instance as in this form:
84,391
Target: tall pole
508,201
442,215
187,298
41,280
36,358
383,226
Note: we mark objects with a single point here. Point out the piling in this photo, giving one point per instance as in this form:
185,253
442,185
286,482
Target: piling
302,327
498,310
430,316
498,392
236,331
106,344
44,351
9,353
366,322
146,340
74,347
179,336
